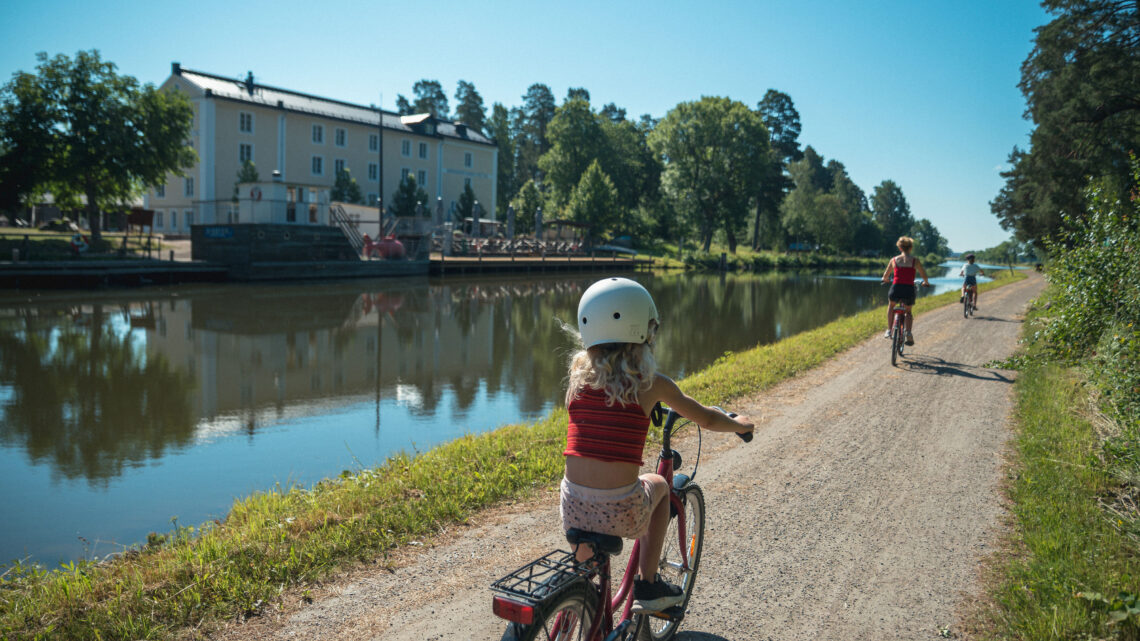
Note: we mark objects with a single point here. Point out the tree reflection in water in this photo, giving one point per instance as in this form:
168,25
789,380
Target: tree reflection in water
85,396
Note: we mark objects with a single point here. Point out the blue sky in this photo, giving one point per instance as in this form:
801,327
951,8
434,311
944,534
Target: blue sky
921,93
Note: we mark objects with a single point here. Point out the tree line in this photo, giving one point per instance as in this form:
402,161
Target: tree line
710,169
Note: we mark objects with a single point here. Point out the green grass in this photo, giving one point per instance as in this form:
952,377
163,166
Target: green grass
274,544
1068,560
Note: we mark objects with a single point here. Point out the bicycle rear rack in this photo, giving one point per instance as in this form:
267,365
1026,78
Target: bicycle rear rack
544,577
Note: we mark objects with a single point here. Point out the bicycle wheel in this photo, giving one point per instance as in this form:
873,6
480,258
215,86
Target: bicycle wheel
567,617
896,343
966,305
651,628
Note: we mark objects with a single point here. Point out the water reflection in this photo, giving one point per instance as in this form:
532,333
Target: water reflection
142,406
82,395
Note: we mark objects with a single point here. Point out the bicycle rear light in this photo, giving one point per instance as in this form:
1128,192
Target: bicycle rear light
513,611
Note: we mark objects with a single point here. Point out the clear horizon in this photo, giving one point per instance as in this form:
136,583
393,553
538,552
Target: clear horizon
923,94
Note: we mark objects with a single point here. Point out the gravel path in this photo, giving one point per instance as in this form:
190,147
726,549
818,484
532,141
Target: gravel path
863,509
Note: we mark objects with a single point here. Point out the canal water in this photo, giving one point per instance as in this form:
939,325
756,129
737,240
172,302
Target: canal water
123,412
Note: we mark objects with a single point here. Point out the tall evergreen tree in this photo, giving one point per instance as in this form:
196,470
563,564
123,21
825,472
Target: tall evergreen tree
534,116
469,106
407,196
498,128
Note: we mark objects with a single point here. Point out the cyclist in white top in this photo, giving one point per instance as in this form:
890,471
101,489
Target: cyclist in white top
970,271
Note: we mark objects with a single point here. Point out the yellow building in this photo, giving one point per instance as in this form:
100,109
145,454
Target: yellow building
308,139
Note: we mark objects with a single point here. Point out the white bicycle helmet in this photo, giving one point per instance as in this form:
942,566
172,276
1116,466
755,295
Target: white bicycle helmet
615,310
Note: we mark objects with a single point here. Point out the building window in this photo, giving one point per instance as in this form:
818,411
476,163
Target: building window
245,153
423,150
318,166
318,134
421,178
466,182
189,218
245,122
405,148
341,137
374,142
338,165
160,191
173,220
158,219
189,187
373,171
467,160
404,173
371,199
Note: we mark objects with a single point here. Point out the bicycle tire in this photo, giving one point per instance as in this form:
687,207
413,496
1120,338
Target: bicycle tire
650,628
896,344
966,305
565,617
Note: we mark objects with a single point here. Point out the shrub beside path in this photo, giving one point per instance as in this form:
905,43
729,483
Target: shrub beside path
863,509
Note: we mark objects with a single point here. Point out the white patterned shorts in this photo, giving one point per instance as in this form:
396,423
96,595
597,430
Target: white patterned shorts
622,511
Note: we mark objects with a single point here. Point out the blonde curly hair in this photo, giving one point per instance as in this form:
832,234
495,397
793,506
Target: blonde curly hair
622,370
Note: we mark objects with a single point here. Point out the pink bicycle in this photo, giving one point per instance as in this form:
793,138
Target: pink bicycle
556,597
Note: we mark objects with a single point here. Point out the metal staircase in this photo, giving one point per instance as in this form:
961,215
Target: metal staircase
338,216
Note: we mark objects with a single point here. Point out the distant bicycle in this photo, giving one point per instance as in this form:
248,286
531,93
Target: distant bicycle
899,313
556,597
968,307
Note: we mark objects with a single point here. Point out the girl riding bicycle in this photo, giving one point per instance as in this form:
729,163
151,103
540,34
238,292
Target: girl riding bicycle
902,289
613,387
970,271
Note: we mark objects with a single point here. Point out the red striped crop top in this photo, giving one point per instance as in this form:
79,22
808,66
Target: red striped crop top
904,275
615,433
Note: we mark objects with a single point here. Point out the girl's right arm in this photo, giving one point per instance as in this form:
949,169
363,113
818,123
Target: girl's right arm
666,391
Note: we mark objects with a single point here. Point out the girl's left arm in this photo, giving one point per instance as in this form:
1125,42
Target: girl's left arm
890,266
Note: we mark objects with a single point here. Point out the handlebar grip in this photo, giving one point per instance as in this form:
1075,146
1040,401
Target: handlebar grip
744,436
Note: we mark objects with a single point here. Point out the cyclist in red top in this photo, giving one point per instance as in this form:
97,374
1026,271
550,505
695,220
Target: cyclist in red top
613,386
904,267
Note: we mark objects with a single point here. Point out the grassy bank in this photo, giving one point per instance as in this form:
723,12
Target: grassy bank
1070,570
286,540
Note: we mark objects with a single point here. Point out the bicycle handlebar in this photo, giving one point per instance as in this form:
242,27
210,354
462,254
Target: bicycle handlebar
744,436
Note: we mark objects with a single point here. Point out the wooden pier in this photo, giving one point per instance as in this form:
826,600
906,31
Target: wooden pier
442,265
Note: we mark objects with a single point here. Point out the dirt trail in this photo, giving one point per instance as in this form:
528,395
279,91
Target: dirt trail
862,509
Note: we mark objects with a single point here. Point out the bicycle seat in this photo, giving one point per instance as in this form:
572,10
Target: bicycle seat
604,543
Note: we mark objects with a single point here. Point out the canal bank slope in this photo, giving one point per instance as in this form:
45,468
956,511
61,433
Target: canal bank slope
862,509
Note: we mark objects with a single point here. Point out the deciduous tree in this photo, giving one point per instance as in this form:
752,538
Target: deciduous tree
91,132
715,152
1082,93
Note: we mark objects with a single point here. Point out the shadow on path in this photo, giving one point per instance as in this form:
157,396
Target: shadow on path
935,366
996,319
687,635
